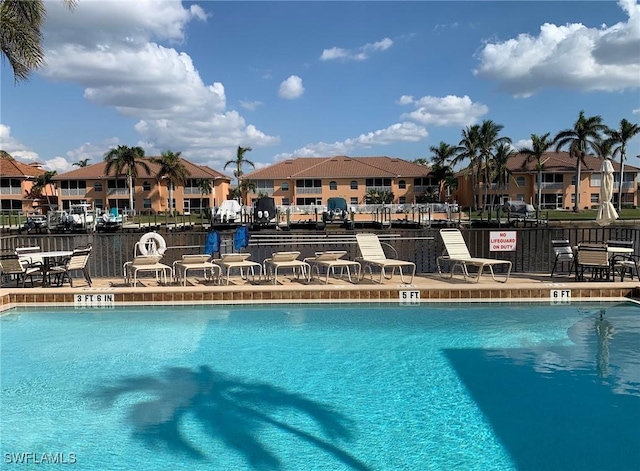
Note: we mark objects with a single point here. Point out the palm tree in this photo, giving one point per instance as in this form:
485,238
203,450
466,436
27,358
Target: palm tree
21,35
205,188
584,136
488,141
124,159
539,145
468,149
40,185
173,170
619,139
239,162
500,172
441,170
81,163
244,188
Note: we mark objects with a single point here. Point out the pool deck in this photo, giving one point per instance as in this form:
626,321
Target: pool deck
107,292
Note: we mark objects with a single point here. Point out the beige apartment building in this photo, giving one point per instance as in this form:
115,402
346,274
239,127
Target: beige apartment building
558,183
92,185
313,180
16,183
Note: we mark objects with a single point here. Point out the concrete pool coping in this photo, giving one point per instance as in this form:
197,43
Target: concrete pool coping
425,288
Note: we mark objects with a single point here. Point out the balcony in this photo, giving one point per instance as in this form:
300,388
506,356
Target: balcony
192,190
73,192
424,189
378,188
118,192
11,190
309,191
551,186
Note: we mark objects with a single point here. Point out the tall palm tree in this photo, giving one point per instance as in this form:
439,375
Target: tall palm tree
126,160
239,162
499,164
40,185
619,139
468,149
583,137
81,163
21,35
205,187
441,169
489,140
171,168
539,145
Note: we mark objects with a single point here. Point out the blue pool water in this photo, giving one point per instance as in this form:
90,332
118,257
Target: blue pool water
374,387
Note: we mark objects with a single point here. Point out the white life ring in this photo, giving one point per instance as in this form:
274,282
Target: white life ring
152,243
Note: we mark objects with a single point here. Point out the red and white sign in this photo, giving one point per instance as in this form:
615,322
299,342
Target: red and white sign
502,241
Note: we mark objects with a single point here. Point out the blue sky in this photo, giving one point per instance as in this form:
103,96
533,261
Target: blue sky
296,79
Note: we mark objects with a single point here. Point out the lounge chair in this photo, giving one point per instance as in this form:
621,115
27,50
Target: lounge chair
373,256
332,259
280,260
145,263
231,261
188,263
595,258
458,256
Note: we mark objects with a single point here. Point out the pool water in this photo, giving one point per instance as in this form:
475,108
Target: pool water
291,387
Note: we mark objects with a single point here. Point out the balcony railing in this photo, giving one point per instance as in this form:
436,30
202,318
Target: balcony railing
309,191
118,192
424,188
551,186
378,188
73,191
11,191
192,190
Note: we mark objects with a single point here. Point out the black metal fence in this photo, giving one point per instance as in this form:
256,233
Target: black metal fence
533,252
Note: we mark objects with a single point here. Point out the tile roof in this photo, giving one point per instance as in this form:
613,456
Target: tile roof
561,162
16,169
339,167
97,171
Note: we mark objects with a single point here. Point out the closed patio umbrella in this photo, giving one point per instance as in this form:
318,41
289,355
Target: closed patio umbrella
606,212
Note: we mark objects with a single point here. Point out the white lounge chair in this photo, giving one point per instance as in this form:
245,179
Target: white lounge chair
145,263
330,260
458,256
373,256
280,260
195,262
230,261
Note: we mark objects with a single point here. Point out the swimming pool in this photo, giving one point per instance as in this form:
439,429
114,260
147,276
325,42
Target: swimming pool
297,387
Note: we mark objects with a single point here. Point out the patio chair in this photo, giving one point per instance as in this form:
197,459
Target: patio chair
279,260
195,262
595,258
458,256
76,262
622,258
11,265
27,254
231,261
373,256
330,260
563,253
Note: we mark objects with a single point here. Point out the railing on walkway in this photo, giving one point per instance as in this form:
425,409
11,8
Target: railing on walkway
533,253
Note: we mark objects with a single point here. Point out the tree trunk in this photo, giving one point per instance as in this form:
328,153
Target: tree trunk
622,157
539,193
130,183
170,199
576,205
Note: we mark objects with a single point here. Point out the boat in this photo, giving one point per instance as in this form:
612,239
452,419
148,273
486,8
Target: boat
79,217
110,221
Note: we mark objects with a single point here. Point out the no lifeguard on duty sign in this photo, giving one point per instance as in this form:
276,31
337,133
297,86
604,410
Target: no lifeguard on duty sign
502,241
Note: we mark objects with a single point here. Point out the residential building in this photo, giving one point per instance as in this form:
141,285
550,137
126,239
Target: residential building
558,183
93,185
16,181
313,180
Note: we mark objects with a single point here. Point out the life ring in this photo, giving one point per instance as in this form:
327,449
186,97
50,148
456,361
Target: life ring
152,243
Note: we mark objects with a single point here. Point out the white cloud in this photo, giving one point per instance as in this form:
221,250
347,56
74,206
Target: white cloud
450,110
291,88
250,105
399,132
358,54
569,56
114,51
636,111
15,148
522,144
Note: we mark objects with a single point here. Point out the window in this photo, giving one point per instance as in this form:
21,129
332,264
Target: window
285,201
98,203
354,200
402,200
520,181
113,184
308,183
264,186
97,186
378,182
519,197
284,187
354,185
333,185
402,185
595,198
146,186
147,203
